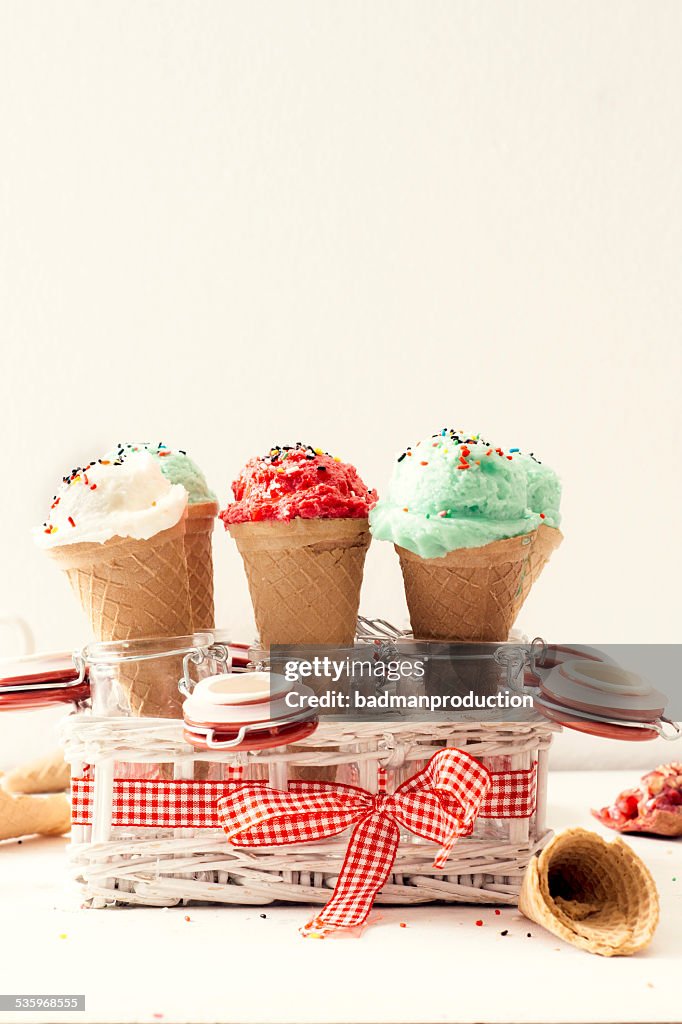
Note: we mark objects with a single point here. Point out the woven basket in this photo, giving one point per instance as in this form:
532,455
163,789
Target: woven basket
123,863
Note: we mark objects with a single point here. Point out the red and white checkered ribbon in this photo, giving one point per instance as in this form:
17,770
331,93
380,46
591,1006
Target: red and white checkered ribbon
439,803
512,794
186,803
154,803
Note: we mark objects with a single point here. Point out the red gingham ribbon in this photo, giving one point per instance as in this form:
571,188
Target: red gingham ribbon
187,803
512,794
439,803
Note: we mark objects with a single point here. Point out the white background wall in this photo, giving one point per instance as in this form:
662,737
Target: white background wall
227,224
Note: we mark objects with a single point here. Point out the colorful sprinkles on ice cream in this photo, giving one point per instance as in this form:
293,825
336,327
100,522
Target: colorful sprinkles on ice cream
124,493
457,490
298,481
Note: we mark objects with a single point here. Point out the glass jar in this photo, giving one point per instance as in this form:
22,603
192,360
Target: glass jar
142,677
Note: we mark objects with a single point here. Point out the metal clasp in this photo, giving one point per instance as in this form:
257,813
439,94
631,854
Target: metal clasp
516,660
660,729
79,662
219,654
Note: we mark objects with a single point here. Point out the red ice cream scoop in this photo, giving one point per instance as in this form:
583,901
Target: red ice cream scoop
298,482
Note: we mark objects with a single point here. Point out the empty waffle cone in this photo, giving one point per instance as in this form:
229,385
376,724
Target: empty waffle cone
304,578
469,594
199,556
34,815
596,895
547,540
49,774
131,589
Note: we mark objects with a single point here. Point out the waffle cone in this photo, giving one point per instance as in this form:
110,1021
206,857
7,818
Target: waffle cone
304,577
547,540
34,815
49,774
596,895
470,594
199,557
131,589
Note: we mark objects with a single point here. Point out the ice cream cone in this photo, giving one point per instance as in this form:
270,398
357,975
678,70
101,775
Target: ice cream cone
132,589
199,556
470,593
596,895
49,774
304,577
34,815
547,540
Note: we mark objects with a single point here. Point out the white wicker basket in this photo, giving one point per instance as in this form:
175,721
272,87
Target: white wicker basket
127,864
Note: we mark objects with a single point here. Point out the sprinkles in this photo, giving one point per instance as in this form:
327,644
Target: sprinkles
462,441
281,452
79,474
457,437
457,447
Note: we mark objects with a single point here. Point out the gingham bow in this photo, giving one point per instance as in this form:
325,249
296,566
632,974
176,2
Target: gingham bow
439,803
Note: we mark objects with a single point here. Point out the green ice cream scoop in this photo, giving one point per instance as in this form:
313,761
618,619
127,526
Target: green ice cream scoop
453,490
178,468
544,489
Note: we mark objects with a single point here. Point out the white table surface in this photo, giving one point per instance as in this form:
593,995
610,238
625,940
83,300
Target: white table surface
229,964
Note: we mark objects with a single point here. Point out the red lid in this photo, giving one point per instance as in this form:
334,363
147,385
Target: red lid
40,680
596,727
256,739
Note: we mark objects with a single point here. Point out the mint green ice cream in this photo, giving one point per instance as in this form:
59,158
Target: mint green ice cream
177,467
453,491
544,489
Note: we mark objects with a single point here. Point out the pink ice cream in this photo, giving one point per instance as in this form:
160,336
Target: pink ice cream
298,482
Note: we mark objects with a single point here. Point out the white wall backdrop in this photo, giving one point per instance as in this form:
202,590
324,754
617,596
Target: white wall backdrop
226,224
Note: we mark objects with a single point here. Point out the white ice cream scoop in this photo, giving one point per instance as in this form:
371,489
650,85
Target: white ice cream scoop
127,497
